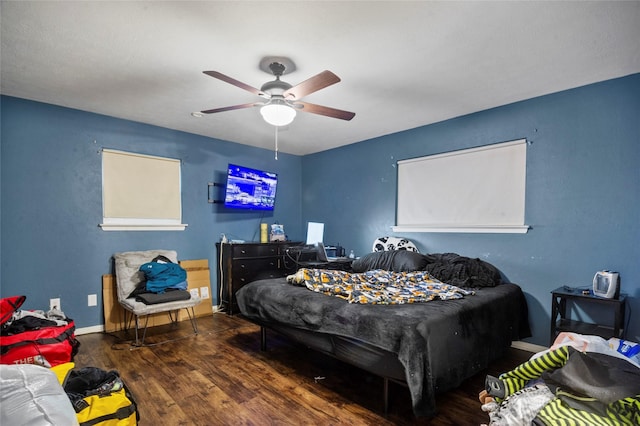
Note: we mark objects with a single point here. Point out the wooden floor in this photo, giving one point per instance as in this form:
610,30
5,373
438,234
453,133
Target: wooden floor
220,377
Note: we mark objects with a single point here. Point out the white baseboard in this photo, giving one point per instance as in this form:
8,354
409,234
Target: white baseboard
89,330
100,328
530,347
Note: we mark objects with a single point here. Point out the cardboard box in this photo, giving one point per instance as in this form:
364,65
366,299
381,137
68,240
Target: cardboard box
194,264
113,312
199,279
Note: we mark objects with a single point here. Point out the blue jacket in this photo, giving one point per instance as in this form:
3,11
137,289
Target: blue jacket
162,276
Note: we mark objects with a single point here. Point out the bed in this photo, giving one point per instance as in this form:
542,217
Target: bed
431,347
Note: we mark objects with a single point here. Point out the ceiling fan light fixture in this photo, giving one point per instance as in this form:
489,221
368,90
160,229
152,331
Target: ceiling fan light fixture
278,113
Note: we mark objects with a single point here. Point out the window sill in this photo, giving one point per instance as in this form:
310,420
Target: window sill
478,229
142,225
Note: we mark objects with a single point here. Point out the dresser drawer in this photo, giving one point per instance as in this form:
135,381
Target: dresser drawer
246,270
254,250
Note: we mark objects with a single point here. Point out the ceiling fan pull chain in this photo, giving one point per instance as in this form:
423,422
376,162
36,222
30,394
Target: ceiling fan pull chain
276,152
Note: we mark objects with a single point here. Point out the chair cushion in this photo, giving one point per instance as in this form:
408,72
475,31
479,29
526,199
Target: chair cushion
139,308
127,268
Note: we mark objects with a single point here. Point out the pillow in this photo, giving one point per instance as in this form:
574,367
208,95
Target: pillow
393,243
127,268
396,261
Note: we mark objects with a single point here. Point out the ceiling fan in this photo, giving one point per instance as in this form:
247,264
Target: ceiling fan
283,99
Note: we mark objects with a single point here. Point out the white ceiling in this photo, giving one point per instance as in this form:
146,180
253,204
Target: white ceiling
402,64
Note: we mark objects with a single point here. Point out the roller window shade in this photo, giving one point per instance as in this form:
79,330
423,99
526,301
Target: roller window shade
140,191
480,188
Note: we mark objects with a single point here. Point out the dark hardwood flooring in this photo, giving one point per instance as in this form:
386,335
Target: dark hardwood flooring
220,377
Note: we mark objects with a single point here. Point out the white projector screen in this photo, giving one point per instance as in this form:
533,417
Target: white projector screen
479,188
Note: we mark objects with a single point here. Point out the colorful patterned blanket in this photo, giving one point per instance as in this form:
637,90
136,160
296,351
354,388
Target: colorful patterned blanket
377,286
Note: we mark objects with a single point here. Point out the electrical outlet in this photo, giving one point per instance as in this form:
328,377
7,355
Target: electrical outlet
54,303
204,292
194,292
92,300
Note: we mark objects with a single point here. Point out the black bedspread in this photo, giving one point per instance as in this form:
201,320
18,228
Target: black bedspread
439,343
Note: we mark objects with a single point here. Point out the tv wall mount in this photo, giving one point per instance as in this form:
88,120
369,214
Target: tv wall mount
210,185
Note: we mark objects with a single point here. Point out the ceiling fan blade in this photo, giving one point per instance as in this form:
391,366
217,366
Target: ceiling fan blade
323,110
320,81
230,108
227,79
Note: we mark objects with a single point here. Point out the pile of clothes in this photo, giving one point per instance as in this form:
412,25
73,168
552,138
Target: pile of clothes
580,380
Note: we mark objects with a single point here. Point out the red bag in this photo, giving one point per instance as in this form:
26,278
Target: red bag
47,346
8,305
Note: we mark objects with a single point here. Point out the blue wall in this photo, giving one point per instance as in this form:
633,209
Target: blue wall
583,196
582,193
52,201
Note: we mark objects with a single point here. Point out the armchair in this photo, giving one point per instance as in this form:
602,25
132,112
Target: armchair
128,276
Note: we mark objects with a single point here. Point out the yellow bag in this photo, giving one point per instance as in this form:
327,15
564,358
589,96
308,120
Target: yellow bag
99,397
115,409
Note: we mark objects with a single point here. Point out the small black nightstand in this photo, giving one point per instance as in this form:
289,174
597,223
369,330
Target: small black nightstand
559,299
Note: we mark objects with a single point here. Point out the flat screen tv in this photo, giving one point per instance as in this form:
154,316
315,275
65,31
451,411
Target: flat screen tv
250,189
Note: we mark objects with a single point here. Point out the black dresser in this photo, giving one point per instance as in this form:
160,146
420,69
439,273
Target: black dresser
241,263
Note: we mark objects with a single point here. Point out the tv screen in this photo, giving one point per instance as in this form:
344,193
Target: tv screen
250,188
